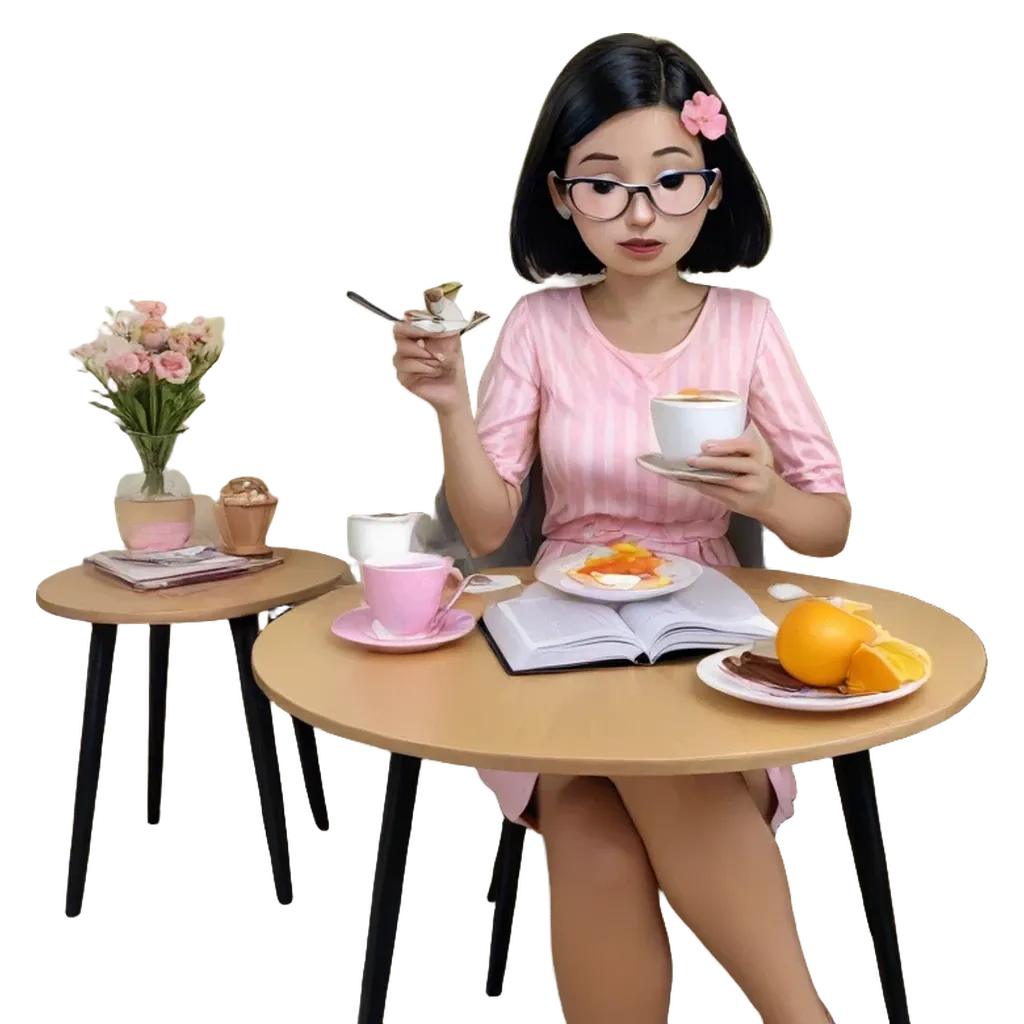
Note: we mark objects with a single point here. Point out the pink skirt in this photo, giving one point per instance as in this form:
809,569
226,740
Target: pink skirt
515,790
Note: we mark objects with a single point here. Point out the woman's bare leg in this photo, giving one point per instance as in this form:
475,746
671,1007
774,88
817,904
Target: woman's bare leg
718,864
611,951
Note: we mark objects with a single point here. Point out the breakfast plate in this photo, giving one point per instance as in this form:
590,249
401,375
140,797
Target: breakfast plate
808,698
655,462
671,575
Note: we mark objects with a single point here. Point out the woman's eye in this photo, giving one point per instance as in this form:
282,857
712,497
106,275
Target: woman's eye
672,180
603,188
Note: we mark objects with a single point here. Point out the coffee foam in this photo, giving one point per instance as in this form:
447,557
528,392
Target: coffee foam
705,398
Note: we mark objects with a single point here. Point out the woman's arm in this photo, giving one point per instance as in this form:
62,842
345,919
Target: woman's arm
809,524
487,459
483,505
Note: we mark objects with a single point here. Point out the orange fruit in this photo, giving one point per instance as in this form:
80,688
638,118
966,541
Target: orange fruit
885,666
816,642
913,662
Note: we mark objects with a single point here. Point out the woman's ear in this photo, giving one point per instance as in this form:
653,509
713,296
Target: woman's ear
563,211
716,196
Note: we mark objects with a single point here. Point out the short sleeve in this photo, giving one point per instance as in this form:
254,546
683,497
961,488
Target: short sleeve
784,410
508,402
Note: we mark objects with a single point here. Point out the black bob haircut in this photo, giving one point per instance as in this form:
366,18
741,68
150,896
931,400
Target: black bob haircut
615,74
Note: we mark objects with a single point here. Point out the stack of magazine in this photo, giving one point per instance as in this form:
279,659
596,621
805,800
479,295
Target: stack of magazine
158,570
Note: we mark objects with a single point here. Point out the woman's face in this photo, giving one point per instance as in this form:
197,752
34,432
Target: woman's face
638,147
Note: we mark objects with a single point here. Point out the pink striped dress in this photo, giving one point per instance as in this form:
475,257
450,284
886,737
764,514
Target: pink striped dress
557,386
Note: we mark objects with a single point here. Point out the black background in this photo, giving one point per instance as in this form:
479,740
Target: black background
892,174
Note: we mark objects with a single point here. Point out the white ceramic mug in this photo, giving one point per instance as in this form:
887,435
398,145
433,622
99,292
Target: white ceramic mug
381,535
683,423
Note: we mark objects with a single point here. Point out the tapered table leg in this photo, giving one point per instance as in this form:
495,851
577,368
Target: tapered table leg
94,716
264,755
857,791
159,652
305,740
396,826
512,836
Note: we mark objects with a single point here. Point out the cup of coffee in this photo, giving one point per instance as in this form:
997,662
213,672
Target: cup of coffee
405,592
382,534
683,422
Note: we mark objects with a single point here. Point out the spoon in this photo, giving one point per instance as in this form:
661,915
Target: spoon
366,304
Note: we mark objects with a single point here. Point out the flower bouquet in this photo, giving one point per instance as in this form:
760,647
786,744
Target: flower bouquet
150,374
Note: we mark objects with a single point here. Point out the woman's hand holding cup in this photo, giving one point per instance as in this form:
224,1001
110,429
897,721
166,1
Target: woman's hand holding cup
430,366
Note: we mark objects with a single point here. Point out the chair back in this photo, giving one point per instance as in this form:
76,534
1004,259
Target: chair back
441,535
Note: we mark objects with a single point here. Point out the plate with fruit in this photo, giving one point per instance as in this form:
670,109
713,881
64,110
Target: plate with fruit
617,574
827,656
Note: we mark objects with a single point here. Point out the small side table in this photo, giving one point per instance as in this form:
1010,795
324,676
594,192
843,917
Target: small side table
87,595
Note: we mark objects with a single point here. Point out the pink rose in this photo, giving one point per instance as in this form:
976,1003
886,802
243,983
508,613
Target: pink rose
121,365
199,327
156,309
172,366
145,363
181,342
154,334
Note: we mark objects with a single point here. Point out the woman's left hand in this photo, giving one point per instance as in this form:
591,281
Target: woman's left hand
752,490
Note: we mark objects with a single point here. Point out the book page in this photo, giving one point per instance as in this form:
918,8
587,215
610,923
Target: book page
713,606
545,622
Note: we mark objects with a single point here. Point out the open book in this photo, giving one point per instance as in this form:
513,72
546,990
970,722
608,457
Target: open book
544,630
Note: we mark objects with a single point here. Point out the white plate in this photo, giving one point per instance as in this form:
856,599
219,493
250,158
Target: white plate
682,571
655,462
710,672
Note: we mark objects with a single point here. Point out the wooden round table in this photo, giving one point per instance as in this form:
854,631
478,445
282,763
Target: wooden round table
85,594
457,704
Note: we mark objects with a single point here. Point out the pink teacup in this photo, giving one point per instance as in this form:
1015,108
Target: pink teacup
405,592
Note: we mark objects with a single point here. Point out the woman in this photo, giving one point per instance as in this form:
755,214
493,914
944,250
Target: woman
635,172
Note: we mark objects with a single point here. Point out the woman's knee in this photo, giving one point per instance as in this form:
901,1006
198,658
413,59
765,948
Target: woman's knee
697,792
586,827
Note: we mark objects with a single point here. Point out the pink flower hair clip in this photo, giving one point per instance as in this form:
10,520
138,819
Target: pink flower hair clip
703,115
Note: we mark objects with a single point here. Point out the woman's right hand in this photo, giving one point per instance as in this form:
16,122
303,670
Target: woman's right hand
430,366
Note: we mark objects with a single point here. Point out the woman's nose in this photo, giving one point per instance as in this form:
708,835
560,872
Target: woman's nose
641,211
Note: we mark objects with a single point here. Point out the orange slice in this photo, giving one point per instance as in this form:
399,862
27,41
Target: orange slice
877,669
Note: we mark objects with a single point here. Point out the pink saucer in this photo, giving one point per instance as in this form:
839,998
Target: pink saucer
356,627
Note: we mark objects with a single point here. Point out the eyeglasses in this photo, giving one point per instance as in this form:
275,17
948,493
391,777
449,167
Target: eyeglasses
674,194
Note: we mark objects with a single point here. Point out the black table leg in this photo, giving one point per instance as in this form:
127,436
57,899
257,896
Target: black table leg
97,690
260,723
159,651
305,747
312,779
857,791
492,892
510,858
399,803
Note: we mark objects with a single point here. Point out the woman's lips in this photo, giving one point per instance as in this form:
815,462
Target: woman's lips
642,246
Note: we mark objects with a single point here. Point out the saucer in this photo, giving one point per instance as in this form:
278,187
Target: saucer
655,462
356,626
449,327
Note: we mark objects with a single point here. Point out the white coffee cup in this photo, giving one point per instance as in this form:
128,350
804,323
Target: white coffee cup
382,535
683,423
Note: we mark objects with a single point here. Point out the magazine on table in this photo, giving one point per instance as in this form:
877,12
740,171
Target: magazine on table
543,630
158,570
